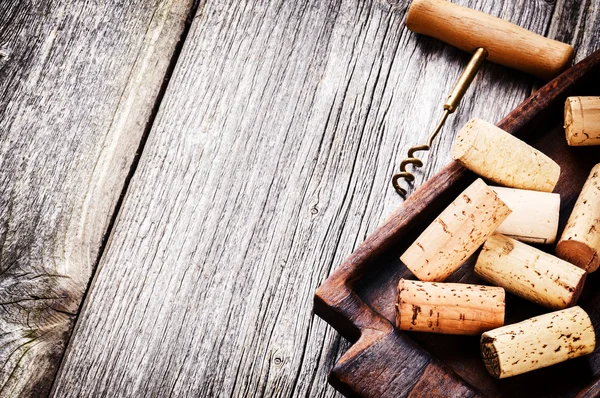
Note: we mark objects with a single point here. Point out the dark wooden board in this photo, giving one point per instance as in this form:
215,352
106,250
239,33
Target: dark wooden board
358,299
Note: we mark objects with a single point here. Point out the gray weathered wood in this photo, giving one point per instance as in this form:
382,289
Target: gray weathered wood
78,84
269,162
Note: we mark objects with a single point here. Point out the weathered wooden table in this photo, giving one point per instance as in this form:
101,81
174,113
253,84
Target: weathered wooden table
177,178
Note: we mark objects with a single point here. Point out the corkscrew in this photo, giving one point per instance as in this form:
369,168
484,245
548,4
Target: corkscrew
450,106
494,39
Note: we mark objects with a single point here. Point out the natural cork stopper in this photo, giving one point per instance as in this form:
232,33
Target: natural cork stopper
580,241
582,121
534,216
456,233
537,342
504,159
448,308
530,273
490,356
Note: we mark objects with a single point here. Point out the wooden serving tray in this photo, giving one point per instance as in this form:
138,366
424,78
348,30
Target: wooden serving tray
358,298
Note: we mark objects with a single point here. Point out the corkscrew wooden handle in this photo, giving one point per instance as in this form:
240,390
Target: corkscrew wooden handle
506,43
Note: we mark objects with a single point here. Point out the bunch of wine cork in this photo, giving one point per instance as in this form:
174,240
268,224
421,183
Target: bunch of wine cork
504,221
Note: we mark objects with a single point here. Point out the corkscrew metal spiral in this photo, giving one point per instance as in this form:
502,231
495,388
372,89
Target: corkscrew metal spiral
416,162
449,107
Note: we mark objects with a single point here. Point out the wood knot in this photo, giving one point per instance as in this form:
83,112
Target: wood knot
278,361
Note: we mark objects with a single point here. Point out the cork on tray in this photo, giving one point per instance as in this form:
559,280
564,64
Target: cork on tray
529,272
538,342
448,308
582,121
456,233
580,241
504,159
534,216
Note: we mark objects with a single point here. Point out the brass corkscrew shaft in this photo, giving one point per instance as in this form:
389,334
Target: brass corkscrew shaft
451,104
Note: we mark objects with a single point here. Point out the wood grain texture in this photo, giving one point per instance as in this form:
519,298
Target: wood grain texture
78,83
269,162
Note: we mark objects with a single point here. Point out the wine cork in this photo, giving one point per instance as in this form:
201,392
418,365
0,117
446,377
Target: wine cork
456,233
538,342
448,308
580,241
534,216
529,273
582,121
504,159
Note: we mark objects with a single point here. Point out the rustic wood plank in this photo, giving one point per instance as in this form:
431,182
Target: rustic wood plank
269,162
78,84
577,22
